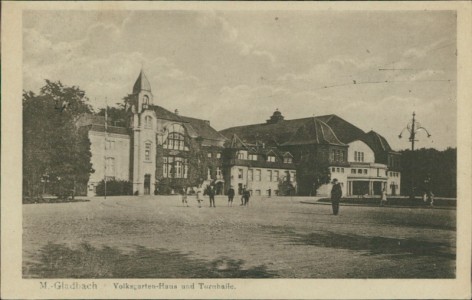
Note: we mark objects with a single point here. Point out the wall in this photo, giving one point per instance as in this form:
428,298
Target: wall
263,185
120,153
360,146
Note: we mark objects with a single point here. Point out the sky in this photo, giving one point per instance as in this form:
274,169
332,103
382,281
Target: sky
234,68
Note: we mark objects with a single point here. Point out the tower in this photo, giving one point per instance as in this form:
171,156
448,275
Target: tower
143,137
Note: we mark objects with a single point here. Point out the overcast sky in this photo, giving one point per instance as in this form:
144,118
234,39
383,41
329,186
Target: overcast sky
235,68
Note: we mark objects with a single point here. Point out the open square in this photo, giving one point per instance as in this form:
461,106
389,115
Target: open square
278,237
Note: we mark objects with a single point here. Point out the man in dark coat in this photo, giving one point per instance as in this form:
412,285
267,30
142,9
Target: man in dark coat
336,194
246,196
230,196
211,194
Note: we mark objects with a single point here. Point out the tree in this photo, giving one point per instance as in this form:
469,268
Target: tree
439,166
312,172
53,147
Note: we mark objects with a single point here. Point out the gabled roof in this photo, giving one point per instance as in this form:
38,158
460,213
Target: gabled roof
141,84
201,128
313,131
236,143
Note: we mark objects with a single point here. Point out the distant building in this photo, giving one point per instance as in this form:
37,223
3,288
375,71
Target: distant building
160,151
364,163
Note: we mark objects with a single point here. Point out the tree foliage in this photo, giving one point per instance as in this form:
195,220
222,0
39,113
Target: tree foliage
440,166
55,152
312,172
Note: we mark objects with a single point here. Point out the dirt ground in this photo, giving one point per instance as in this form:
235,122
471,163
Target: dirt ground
157,237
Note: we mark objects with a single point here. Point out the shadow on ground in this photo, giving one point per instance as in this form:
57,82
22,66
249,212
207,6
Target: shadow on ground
86,261
374,245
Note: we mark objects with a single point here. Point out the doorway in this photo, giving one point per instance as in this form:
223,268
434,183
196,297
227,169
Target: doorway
147,184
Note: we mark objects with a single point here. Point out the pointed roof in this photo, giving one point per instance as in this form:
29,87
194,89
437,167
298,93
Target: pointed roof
314,131
201,128
141,84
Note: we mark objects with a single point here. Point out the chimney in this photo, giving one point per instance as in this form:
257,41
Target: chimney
207,122
176,111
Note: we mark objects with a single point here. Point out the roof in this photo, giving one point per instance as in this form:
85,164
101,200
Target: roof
345,131
201,128
162,113
142,83
377,142
284,131
313,131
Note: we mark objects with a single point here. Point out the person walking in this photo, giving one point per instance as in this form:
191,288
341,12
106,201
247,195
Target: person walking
211,194
184,197
199,196
336,193
246,196
242,195
383,198
230,196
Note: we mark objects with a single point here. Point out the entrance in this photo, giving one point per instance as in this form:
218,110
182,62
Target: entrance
377,188
219,188
147,184
360,188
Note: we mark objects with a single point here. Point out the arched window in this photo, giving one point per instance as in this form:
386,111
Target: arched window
176,138
148,122
175,167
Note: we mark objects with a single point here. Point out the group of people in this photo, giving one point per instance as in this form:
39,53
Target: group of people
211,192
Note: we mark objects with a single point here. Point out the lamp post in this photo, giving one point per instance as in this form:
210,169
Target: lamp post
413,127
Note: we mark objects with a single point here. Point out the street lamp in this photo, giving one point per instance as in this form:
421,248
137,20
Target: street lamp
413,127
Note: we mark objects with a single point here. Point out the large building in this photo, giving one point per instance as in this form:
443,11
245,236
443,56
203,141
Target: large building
160,151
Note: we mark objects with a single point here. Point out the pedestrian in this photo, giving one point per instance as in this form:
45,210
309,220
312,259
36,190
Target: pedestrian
431,198
242,195
383,198
246,196
336,193
199,196
211,194
184,196
230,196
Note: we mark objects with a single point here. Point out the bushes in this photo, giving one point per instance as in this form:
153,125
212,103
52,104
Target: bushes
115,188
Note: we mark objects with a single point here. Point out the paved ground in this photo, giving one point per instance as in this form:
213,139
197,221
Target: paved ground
155,237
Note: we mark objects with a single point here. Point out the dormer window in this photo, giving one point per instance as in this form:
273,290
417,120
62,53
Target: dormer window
145,102
288,160
271,158
252,157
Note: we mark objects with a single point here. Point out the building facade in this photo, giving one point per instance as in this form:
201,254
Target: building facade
162,152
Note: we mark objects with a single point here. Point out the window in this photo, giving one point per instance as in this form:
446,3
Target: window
353,171
209,154
219,174
252,157
258,175
378,172
276,175
240,173
242,154
358,156
148,122
342,170
145,102
269,175
333,170
175,167
110,166
337,170
176,138
218,155
147,152
287,160
109,145
250,175
359,171
365,171
271,158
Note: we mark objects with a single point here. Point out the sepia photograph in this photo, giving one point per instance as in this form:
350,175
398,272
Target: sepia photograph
175,150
